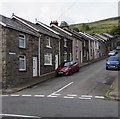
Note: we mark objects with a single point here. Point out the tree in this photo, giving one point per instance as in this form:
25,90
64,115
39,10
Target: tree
85,27
116,30
76,29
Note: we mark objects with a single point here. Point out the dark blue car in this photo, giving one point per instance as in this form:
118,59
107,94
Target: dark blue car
113,62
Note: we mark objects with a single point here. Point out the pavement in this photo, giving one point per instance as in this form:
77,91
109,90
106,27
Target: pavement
111,94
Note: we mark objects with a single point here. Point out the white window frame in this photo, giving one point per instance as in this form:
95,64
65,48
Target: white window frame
77,54
49,58
84,43
22,39
65,56
22,58
48,44
76,42
65,42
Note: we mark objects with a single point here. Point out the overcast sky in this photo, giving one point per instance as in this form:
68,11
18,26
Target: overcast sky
71,11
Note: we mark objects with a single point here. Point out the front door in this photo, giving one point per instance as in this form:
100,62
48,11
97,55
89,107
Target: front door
34,66
56,61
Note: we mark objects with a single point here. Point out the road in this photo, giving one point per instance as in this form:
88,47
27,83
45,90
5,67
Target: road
79,95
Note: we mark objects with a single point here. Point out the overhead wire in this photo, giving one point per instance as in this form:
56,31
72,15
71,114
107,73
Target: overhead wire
73,3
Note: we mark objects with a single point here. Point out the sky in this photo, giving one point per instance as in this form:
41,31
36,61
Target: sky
71,11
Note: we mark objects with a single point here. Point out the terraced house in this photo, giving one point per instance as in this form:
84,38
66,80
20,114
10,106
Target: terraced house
32,51
28,51
66,41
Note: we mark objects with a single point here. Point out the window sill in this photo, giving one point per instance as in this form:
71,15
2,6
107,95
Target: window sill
48,64
22,48
22,70
48,46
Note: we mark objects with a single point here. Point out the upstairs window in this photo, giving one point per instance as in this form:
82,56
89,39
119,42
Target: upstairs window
22,42
65,42
48,44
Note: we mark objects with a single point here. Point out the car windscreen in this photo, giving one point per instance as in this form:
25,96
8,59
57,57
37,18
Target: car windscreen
113,59
67,64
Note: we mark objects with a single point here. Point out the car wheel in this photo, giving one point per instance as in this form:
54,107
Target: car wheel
78,69
69,73
106,68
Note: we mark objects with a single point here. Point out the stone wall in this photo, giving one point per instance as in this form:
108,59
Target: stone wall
0,56
53,50
12,75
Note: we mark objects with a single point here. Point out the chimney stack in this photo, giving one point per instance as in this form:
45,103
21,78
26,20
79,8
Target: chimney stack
54,22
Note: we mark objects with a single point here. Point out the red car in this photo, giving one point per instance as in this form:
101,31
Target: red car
67,68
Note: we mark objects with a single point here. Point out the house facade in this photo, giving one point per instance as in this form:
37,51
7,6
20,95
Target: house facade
76,46
30,49
66,40
19,47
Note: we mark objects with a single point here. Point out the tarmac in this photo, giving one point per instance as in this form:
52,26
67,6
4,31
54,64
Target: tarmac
113,93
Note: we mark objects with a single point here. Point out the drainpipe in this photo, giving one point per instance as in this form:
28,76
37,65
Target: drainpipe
59,53
39,53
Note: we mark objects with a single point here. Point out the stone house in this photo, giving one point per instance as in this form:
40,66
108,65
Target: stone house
102,48
85,47
29,49
112,39
65,42
76,46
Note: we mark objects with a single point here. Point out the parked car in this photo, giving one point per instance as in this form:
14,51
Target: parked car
112,53
118,48
67,68
113,62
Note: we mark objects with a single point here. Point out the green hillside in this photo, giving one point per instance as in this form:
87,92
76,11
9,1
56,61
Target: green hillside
101,26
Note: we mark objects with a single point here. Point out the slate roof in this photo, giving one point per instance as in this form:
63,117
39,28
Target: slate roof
13,24
37,27
102,37
108,35
61,32
86,36
74,33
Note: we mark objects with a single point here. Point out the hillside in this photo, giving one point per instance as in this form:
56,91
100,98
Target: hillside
101,26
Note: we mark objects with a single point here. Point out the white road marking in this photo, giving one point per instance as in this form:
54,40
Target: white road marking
57,94
99,97
4,95
14,115
68,97
85,98
39,95
26,95
15,95
52,96
54,93
72,95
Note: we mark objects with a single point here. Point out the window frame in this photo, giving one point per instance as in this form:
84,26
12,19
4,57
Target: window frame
65,42
65,56
24,41
48,42
22,59
49,56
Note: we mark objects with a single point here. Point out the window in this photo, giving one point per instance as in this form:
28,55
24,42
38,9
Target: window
22,43
48,59
22,63
77,54
48,42
65,56
76,42
84,44
65,42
